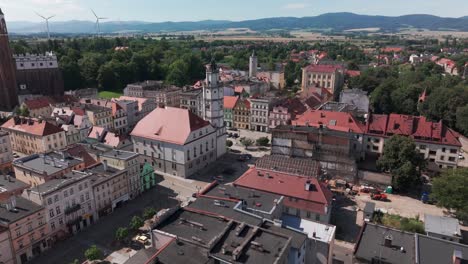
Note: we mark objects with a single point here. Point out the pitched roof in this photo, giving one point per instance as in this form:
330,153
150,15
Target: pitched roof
38,103
352,73
169,124
296,166
230,101
31,126
340,121
239,89
141,101
317,198
80,151
323,68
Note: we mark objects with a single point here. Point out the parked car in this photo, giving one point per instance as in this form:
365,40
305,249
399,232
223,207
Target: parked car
244,157
15,155
461,157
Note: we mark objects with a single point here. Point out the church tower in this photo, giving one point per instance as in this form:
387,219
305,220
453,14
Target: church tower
213,109
8,91
253,65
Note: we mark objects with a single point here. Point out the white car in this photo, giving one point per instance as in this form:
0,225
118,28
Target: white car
461,157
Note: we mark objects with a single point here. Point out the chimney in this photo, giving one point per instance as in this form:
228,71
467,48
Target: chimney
388,241
104,164
13,202
307,185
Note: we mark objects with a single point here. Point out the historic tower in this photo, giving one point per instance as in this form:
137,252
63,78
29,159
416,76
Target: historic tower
213,109
8,91
253,64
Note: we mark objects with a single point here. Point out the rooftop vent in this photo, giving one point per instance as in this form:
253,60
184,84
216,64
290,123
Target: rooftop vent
388,240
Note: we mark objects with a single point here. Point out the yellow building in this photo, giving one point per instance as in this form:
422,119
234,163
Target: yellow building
241,114
323,76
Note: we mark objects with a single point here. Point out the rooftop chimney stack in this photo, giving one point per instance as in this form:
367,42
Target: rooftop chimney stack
307,186
388,241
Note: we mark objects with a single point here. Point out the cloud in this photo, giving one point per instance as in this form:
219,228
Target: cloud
295,6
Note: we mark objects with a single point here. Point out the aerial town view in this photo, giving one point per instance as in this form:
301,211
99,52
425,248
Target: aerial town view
211,132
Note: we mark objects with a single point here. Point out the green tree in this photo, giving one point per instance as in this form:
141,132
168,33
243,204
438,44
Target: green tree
177,74
89,65
136,222
247,142
93,253
462,119
263,141
381,97
450,190
121,233
149,212
403,161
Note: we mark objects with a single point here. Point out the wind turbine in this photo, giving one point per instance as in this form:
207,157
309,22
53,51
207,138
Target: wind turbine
47,23
97,22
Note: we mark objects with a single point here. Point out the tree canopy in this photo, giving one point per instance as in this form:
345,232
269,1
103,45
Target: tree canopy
450,190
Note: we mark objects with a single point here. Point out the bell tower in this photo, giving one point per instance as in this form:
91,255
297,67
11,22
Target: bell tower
8,89
213,109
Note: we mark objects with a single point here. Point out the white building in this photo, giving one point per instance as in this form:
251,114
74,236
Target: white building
175,141
213,108
253,65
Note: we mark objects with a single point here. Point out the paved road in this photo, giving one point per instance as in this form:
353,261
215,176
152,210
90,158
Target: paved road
103,232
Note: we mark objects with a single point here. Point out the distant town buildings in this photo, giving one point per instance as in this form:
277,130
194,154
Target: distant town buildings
163,94
330,77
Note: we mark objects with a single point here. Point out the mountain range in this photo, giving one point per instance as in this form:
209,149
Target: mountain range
329,21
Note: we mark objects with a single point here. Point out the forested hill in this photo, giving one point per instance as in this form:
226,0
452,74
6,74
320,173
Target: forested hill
330,21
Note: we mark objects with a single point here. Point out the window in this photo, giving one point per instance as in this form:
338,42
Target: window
87,195
451,159
57,209
49,200
442,157
61,220
52,225
71,191
453,151
308,214
317,217
51,212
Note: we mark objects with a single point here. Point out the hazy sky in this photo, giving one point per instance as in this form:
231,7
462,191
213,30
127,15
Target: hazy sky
193,10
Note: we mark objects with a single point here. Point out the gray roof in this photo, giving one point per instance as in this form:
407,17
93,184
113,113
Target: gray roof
433,250
8,184
370,245
49,163
183,252
142,256
355,97
23,209
369,207
57,184
99,174
298,238
442,225
120,154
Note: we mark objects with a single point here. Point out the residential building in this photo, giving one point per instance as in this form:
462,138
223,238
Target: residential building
163,94
213,109
438,143
399,247
229,104
68,202
241,114
129,161
110,187
192,99
145,106
285,111
27,227
39,74
76,126
37,169
6,251
274,78
305,197
442,227
38,107
259,113
330,77
110,139
6,154
175,141
30,136
147,177
130,108
8,87
120,118
98,115
449,66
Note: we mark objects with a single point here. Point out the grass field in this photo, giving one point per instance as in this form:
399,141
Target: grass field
109,94
398,222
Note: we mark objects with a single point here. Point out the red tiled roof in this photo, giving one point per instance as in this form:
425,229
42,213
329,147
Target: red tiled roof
417,127
38,103
352,73
323,68
31,126
80,151
340,121
316,198
78,111
230,101
238,89
392,49
169,124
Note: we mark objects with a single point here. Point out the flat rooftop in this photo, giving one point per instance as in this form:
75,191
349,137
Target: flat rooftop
119,154
298,238
49,163
57,184
11,184
22,209
442,225
324,233
182,252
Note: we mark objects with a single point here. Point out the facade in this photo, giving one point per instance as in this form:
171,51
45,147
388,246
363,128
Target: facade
98,115
38,107
145,106
6,251
163,94
27,227
37,169
259,114
147,177
29,136
330,77
253,65
213,108
241,114
128,161
110,187
229,104
39,74
8,88
439,144
175,141
6,154
120,118
192,99
274,78
68,202
285,111
130,108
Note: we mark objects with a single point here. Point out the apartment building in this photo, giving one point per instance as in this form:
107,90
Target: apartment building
99,115
68,202
6,154
229,104
285,111
110,187
129,161
241,114
259,113
330,77
192,99
29,136
120,118
163,94
145,106
38,107
175,141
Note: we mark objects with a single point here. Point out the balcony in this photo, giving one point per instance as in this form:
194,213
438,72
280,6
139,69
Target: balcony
72,209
